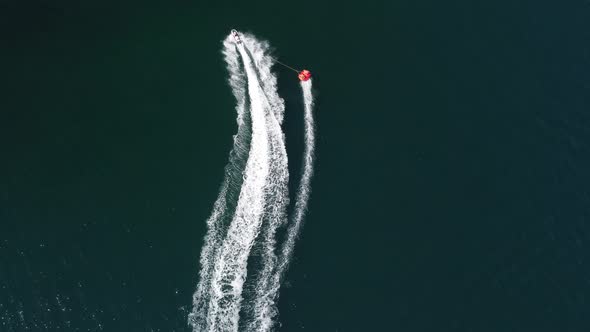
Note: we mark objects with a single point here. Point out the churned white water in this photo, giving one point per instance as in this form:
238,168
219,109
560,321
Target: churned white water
252,203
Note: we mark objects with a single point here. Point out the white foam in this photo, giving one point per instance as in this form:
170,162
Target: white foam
229,272
263,307
215,232
268,298
304,190
261,205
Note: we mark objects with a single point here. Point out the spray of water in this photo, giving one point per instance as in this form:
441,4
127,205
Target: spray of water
305,185
268,292
230,188
229,272
252,203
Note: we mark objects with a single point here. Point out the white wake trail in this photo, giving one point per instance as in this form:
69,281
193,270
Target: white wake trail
252,203
262,308
303,193
229,272
268,292
304,190
232,182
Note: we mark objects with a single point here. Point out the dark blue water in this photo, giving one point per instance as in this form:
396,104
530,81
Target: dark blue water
451,182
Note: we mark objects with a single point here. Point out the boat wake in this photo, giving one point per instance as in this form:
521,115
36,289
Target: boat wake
242,263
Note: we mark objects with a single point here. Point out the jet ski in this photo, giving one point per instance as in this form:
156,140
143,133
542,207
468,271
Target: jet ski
236,36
